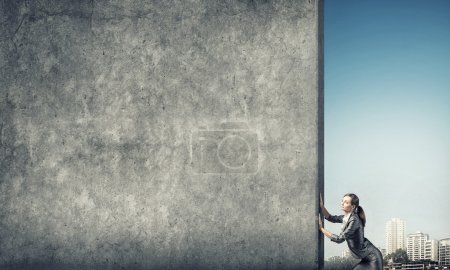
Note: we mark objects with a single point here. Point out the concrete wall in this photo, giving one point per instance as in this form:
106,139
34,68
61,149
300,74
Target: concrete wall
160,134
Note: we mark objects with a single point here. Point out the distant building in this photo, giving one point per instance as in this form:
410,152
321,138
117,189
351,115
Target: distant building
419,247
383,252
395,235
432,250
416,246
345,254
444,251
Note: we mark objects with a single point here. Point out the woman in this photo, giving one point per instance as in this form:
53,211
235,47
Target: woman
353,221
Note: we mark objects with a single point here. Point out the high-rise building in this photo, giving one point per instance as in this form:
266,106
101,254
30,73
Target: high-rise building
416,246
444,251
395,235
419,247
431,250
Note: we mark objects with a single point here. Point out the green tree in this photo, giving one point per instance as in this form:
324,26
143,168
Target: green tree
399,256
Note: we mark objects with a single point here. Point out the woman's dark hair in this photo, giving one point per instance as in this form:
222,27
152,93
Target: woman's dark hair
358,209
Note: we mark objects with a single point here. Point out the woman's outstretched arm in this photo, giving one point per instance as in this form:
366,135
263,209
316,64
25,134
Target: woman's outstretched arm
350,230
327,215
322,229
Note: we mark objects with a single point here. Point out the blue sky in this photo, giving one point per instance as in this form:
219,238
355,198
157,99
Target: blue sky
387,113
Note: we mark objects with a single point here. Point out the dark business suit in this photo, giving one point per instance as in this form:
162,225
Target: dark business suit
361,247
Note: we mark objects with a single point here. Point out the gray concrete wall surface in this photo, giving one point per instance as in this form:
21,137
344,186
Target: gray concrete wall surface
160,134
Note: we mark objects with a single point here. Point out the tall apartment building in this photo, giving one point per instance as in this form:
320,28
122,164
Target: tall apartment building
431,250
395,235
416,246
419,247
444,251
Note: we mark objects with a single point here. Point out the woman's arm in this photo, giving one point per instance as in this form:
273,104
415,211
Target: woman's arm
327,215
322,229
349,231
325,212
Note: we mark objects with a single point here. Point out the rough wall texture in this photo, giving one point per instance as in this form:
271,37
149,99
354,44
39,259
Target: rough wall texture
160,134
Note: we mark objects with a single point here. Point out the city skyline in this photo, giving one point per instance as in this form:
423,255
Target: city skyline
387,119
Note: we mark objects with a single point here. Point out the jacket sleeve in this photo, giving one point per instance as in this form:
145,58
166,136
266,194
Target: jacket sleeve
347,233
335,219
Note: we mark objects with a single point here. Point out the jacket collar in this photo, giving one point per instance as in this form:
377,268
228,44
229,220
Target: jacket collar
351,217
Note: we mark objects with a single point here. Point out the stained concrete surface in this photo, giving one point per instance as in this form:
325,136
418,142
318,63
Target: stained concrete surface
160,134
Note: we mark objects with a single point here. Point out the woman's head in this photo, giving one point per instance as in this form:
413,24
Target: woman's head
350,203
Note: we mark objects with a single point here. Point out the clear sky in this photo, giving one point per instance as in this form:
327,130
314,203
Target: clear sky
387,114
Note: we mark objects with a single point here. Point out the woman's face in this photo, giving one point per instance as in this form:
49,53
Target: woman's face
346,204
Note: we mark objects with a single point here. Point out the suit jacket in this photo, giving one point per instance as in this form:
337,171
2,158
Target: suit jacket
353,233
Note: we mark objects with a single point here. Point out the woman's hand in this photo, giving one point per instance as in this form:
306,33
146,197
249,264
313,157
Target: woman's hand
322,207
326,214
322,229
